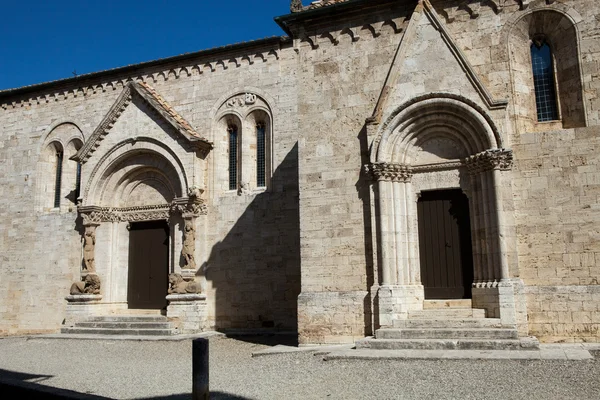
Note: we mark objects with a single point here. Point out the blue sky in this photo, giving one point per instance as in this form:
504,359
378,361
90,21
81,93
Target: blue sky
44,40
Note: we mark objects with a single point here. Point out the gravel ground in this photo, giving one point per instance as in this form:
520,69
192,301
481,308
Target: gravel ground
140,370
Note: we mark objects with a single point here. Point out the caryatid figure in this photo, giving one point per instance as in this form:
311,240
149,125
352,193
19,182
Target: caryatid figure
189,244
89,248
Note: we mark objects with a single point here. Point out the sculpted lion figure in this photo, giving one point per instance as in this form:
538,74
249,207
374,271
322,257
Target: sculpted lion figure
178,286
89,285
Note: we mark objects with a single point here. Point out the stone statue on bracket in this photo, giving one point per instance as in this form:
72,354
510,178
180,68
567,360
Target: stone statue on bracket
89,246
89,285
177,285
189,244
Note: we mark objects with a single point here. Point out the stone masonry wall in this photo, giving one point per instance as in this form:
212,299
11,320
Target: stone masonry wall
40,252
556,185
339,84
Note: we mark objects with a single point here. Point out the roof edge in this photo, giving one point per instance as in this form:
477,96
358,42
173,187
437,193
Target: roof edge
128,69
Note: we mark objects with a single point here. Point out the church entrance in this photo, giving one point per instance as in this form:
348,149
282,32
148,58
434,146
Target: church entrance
148,265
445,250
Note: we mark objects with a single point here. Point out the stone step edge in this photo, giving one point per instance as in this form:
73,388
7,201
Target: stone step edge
122,325
477,332
529,343
128,332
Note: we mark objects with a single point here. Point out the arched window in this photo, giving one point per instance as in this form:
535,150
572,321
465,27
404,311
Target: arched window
233,157
260,155
543,80
58,177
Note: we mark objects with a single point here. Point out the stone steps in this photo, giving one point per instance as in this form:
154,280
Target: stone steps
443,304
448,344
127,325
438,333
123,325
449,313
450,323
128,318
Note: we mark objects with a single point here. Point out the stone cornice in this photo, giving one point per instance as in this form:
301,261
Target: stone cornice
496,159
187,65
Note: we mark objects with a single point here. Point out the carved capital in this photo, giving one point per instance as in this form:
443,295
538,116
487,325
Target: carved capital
496,159
390,172
189,208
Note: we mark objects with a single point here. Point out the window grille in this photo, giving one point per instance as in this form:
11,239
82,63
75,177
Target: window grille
233,157
260,155
57,182
543,81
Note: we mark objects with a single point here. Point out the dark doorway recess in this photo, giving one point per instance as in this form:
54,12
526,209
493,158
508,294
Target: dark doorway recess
445,244
148,265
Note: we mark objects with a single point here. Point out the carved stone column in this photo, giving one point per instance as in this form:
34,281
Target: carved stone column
187,308
397,292
84,294
487,166
499,293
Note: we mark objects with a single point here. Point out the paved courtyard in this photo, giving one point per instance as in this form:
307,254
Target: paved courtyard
163,369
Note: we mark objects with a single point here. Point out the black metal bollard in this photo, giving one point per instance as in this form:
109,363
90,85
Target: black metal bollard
200,388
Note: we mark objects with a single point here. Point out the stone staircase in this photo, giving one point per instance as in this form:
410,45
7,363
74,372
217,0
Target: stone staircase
448,325
128,325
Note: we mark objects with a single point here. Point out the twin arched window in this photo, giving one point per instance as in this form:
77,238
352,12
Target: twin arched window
243,163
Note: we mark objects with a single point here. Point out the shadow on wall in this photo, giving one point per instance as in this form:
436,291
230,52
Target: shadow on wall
371,315
255,269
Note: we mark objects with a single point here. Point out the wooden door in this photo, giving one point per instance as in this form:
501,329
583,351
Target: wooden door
445,244
148,265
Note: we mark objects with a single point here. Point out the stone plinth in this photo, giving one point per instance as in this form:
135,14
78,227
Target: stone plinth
187,312
395,301
82,306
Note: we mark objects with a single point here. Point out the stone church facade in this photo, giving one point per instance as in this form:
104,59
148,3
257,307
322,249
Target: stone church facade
330,182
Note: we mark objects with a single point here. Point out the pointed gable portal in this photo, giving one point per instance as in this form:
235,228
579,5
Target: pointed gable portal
429,61
156,102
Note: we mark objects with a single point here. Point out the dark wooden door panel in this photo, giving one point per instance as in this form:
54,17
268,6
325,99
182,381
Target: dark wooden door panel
148,265
445,244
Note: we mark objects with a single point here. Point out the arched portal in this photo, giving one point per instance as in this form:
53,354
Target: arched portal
135,205
437,148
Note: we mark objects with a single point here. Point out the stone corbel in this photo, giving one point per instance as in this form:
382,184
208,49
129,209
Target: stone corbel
390,172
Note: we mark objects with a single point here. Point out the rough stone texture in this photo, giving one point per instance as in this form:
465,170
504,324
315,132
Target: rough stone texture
424,94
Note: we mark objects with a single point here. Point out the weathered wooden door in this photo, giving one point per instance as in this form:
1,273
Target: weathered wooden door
148,265
445,244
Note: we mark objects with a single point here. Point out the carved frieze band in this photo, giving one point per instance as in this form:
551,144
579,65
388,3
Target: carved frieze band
93,215
500,159
389,172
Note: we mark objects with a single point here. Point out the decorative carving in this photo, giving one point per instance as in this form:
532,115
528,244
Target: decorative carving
189,244
96,215
177,285
296,6
89,246
496,159
89,285
243,100
390,172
